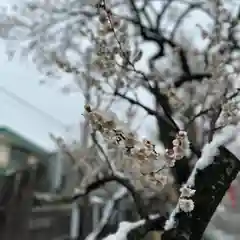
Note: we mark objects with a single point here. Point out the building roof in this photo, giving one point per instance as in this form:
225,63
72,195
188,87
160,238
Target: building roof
21,141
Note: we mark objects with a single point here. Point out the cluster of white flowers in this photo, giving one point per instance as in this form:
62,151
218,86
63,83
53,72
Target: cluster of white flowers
114,58
230,113
181,148
111,44
185,203
137,158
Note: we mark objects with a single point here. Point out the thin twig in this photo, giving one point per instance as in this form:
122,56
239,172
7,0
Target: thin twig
160,169
93,135
96,185
205,111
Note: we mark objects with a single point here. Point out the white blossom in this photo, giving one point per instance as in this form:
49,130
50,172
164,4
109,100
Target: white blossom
186,205
186,191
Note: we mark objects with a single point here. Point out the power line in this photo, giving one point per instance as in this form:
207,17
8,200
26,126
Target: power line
31,106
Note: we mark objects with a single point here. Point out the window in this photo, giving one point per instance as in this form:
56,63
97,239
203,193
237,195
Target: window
18,157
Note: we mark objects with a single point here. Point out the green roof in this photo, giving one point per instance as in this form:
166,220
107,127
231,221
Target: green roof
15,138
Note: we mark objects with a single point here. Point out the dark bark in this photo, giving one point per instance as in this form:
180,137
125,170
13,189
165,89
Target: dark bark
211,185
152,33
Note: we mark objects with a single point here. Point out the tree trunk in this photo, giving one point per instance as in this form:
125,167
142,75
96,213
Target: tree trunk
211,185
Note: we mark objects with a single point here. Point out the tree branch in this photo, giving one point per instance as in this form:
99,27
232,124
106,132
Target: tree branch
100,182
209,193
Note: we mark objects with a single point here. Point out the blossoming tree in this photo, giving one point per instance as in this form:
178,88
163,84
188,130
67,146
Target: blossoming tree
194,90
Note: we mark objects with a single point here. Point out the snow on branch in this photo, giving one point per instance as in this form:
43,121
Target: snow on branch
134,157
209,152
211,177
107,213
155,222
124,229
98,183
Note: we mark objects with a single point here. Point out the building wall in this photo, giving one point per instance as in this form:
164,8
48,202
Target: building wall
50,223
4,154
